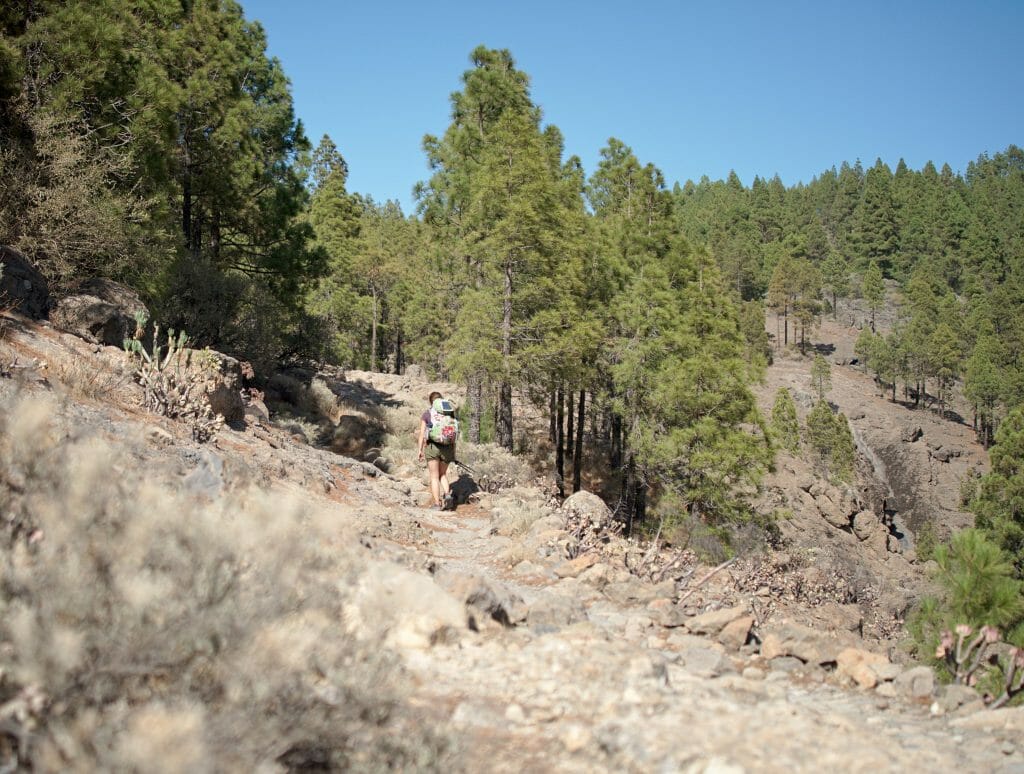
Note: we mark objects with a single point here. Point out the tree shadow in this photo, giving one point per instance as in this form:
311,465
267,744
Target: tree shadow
464,487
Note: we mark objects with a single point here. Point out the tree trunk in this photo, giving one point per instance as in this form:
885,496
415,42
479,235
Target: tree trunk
835,310
505,393
373,328
475,399
552,417
399,365
577,454
616,442
570,419
560,443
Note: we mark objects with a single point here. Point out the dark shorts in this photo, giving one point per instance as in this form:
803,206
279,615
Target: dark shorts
434,451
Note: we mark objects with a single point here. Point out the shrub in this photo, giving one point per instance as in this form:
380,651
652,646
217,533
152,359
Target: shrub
785,425
977,589
142,629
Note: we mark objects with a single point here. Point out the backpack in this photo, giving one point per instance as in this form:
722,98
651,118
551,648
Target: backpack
444,427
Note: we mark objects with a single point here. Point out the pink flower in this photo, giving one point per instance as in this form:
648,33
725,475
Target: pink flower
964,630
990,633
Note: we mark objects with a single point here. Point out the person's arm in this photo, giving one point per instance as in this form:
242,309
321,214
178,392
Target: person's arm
422,441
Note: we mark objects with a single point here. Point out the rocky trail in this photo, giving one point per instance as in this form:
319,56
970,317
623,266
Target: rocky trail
522,637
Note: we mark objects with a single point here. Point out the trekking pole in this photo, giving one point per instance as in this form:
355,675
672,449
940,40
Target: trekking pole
464,466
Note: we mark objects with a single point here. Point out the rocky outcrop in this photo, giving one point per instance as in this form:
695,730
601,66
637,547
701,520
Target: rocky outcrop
21,285
222,376
101,311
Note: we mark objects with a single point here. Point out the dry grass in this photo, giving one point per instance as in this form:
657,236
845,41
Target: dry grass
91,379
140,630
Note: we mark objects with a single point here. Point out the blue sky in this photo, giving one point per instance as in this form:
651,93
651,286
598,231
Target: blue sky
697,88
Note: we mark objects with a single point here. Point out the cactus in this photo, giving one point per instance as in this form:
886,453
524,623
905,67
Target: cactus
1013,676
965,655
170,386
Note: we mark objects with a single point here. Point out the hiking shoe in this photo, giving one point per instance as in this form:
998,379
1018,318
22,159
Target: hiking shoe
449,503
434,507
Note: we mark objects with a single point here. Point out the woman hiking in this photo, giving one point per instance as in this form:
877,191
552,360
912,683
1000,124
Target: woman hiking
438,455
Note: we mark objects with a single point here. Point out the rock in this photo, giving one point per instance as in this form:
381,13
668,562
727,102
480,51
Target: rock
589,506
942,455
911,434
951,697
484,599
406,609
630,592
601,574
575,738
865,524
1009,719
892,544
571,568
257,409
885,671
712,622
802,642
886,690
753,673
552,612
22,285
704,662
840,618
832,512
100,311
681,641
223,382
414,371
527,569
666,613
785,664
158,436
514,714
734,634
858,665
916,684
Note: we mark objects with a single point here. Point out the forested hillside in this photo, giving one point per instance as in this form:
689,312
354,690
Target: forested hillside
156,143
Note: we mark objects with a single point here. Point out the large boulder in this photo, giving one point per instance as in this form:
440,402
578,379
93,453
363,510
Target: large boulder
22,285
222,376
101,311
590,507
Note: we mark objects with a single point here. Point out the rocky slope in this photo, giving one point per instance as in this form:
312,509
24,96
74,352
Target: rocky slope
516,629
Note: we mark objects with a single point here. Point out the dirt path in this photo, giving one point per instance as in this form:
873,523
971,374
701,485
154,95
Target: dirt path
615,691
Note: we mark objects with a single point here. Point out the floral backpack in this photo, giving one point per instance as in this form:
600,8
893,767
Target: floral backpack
444,427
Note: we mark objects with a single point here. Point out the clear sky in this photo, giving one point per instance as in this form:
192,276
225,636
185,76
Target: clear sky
697,88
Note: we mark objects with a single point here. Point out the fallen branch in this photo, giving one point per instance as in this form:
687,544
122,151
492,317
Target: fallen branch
706,578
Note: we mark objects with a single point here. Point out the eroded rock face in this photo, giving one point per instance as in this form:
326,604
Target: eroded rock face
22,285
223,375
101,311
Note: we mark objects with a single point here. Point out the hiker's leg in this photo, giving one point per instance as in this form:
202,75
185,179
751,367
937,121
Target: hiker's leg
434,466
443,478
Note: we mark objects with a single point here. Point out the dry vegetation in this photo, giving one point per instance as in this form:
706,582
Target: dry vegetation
140,630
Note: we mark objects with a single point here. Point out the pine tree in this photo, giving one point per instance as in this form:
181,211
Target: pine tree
978,588
999,506
875,234
785,425
835,273
872,288
821,376
490,88
983,383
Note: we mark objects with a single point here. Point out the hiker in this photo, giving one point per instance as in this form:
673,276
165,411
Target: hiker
438,455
